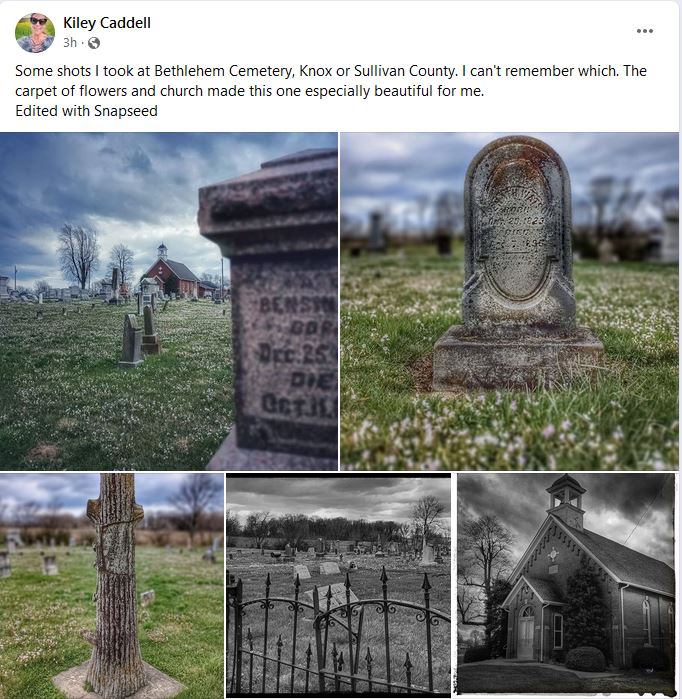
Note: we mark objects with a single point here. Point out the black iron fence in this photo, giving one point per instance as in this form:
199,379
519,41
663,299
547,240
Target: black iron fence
332,661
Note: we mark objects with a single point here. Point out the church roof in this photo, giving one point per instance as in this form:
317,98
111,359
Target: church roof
182,271
566,480
630,566
547,590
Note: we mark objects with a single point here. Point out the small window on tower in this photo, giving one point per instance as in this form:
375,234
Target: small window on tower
646,619
558,631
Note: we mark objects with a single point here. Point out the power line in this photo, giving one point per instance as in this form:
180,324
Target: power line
647,510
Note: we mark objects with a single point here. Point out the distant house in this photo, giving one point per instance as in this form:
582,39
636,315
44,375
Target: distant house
171,276
638,591
208,290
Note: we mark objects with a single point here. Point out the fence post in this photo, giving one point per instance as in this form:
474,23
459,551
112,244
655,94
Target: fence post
266,606
426,586
238,634
350,635
318,640
297,585
384,592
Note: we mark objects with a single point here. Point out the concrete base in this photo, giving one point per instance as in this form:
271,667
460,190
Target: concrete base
518,359
230,457
71,684
129,365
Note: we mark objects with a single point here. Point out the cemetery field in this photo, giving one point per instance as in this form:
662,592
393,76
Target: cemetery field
64,403
181,633
405,632
394,308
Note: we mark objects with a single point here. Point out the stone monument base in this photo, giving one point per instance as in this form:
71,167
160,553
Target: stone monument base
130,365
71,684
230,457
151,344
513,359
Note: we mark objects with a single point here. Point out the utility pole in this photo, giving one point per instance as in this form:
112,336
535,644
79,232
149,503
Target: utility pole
15,277
222,278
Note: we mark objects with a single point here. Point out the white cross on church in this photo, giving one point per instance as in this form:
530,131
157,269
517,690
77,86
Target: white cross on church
553,554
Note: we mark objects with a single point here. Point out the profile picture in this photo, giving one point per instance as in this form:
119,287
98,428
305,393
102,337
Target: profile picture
34,32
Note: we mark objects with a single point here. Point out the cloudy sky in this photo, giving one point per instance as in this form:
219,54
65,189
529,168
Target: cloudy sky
355,497
613,505
72,490
134,188
394,169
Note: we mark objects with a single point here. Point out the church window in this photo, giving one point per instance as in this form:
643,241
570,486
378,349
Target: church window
646,618
558,631
671,620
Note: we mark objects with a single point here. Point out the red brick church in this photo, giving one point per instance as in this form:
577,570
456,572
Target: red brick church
638,591
172,276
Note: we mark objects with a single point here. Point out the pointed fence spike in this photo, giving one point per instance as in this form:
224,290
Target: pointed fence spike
407,664
341,661
368,657
347,583
309,652
426,585
267,581
383,577
279,641
329,594
297,584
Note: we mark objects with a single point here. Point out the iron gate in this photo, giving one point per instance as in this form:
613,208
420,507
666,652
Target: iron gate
329,666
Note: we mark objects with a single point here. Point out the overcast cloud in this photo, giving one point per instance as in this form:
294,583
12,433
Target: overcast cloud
355,497
72,490
613,505
139,189
394,169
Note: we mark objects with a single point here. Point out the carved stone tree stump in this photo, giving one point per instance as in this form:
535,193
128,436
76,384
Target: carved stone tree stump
116,669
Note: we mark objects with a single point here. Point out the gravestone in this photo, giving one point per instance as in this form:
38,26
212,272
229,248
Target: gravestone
140,303
329,568
427,556
302,572
377,243
150,339
288,551
40,298
132,343
209,556
50,565
147,598
115,286
518,307
11,545
116,669
279,228
4,293
338,596
311,550
153,301
6,566
217,540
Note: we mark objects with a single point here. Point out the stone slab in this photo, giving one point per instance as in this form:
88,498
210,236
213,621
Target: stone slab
230,457
471,360
338,598
302,572
71,684
329,568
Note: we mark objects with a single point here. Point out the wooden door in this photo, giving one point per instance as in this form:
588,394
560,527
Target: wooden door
526,632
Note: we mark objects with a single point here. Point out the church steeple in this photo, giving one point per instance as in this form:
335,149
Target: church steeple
565,500
163,252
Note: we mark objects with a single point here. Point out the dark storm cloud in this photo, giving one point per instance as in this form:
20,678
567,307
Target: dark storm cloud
72,490
613,506
355,497
134,188
380,170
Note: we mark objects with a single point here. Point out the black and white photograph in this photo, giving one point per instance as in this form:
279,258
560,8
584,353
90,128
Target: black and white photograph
565,583
338,585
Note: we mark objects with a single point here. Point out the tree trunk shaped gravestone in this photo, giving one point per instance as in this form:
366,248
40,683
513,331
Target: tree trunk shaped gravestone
116,668
518,305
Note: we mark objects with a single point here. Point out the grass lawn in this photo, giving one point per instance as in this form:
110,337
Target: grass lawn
64,403
406,634
393,309
493,679
181,634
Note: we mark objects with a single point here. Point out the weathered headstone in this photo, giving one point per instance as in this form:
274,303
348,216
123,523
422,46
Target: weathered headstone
377,243
140,303
311,550
147,598
132,343
217,540
150,339
209,556
518,307
11,545
115,285
302,572
427,556
329,568
40,298
6,566
279,227
116,669
4,293
153,301
50,565
338,596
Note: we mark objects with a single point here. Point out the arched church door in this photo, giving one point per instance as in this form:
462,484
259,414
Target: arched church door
526,631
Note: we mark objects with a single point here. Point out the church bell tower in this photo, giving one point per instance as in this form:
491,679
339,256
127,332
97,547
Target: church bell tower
163,252
565,500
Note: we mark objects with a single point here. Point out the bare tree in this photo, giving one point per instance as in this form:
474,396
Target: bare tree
78,252
197,493
26,513
232,527
258,527
123,258
614,203
483,561
426,515
51,518
293,528
41,287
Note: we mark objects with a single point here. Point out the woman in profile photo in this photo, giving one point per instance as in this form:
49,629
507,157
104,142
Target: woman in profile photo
38,39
